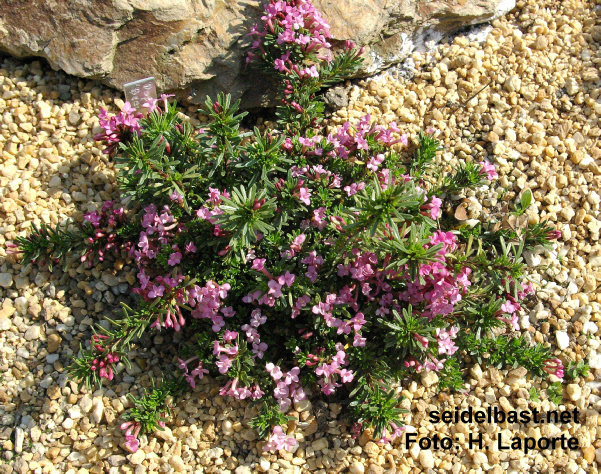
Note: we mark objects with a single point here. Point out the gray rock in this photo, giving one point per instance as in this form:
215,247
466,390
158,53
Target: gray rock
336,97
6,280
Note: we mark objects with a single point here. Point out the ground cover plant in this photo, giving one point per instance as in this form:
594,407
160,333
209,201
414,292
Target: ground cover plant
295,260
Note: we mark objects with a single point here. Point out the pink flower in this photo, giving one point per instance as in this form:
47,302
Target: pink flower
445,340
509,307
107,374
292,375
258,264
421,339
164,98
274,371
319,215
156,291
174,258
354,188
274,288
374,163
298,242
305,196
433,207
151,104
280,65
489,170
309,72
513,322
311,274
93,218
131,443
176,197
346,375
287,278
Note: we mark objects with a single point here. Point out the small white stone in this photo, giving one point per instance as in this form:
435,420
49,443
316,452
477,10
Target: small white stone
44,109
137,457
513,83
590,328
476,371
4,324
86,404
177,463
525,322
74,117
302,405
19,438
75,412
563,340
227,428
97,411
243,470
595,261
264,464
479,458
594,360
33,332
572,86
356,468
574,391
426,459
22,352
319,444
429,378
54,182
68,423
531,259
21,305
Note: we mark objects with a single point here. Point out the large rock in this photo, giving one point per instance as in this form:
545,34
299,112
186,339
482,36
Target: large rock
198,47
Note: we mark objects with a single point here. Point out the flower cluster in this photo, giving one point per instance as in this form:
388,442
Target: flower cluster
554,367
279,440
103,239
105,361
288,388
131,430
118,128
296,23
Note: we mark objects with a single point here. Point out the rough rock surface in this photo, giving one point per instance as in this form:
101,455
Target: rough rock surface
196,48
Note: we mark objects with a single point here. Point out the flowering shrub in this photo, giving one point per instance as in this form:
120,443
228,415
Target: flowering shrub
297,262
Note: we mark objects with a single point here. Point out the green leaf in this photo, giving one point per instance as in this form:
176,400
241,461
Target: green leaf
526,199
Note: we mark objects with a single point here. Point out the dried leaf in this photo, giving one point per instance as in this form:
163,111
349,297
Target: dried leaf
522,222
509,222
461,212
515,223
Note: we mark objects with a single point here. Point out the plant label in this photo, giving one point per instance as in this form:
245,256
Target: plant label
138,92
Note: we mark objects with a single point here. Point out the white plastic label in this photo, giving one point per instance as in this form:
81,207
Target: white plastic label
138,92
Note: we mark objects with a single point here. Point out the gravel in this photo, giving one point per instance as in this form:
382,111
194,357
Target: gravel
538,121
